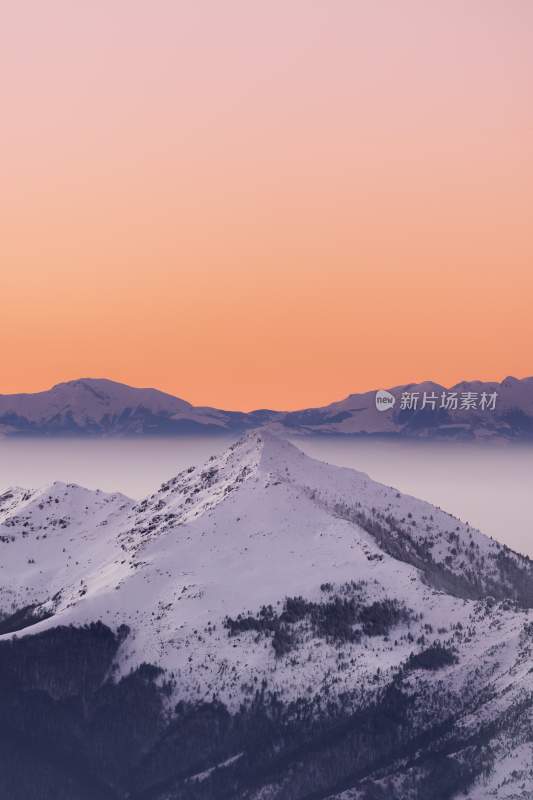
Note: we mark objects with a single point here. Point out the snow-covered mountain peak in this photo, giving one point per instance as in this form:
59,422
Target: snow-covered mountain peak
260,459
198,488
267,574
50,538
66,496
265,471
88,404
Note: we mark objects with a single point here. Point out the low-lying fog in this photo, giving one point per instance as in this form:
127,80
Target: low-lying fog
488,485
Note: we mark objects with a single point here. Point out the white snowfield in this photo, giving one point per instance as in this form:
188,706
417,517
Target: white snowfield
258,524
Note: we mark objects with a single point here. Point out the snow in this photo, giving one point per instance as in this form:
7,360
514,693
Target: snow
101,406
357,413
88,400
257,524
201,776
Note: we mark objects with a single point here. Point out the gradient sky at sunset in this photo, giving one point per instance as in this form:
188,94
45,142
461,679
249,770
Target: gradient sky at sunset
265,202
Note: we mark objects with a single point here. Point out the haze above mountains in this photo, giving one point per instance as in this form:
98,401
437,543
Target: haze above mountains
101,407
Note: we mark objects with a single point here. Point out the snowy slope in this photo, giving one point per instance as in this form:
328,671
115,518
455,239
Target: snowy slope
96,406
201,572
52,540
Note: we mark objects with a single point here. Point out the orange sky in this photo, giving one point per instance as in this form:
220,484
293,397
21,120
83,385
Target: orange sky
256,203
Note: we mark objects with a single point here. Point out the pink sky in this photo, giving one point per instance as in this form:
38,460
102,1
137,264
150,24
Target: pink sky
265,203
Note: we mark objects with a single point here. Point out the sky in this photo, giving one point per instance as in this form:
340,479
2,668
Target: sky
265,204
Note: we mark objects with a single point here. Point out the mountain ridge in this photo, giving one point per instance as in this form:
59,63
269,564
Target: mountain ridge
101,407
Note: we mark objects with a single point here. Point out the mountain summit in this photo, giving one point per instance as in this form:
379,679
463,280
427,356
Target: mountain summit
97,406
265,626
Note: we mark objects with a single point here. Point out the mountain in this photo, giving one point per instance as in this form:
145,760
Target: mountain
431,411
98,407
263,627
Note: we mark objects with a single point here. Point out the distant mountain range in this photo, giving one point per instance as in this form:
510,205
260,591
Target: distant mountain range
263,627
101,407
